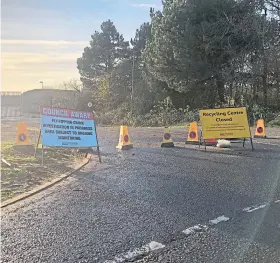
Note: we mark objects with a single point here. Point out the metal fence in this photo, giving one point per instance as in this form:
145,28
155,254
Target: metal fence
10,93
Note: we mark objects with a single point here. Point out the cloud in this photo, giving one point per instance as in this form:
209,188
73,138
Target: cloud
33,21
19,58
43,42
22,70
144,5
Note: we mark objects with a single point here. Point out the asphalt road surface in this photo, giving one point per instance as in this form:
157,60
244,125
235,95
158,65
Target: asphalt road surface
152,204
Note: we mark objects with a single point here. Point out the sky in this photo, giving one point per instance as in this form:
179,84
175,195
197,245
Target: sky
42,39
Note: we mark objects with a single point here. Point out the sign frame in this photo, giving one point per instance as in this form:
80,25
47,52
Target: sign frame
69,147
227,108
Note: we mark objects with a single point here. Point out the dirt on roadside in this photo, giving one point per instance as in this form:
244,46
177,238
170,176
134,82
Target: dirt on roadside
26,171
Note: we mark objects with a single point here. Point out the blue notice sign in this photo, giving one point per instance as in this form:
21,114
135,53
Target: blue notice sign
67,128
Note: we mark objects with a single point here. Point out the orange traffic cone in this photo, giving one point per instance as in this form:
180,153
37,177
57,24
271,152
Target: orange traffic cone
259,133
193,134
124,140
167,140
22,134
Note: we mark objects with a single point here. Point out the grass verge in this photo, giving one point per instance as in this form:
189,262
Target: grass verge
26,171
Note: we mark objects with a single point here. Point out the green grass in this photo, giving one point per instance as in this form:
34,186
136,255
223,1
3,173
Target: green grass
6,146
11,155
26,171
6,193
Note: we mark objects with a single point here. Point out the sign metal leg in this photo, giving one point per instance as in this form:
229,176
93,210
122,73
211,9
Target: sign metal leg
200,139
42,155
252,144
35,153
250,135
98,152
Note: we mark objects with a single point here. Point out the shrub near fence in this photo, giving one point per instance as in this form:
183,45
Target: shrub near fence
164,114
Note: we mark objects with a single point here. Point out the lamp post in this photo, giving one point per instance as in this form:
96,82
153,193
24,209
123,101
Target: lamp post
132,75
42,84
133,69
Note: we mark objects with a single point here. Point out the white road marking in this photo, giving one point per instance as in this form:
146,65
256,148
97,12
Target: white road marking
275,144
253,208
130,255
218,220
153,245
194,229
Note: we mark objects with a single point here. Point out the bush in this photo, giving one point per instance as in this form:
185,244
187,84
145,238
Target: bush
259,112
275,122
165,114
117,116
162,114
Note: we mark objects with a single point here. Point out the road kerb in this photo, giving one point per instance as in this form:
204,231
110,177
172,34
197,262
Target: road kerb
44,186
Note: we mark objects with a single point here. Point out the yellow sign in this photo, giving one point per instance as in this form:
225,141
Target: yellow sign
225,123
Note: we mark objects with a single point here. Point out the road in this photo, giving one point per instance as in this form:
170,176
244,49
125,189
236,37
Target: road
152,204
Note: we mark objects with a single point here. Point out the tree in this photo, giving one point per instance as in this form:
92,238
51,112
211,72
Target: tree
107,49
140,40
70,97
72,84
194,42
198,53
